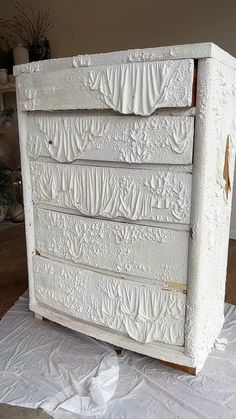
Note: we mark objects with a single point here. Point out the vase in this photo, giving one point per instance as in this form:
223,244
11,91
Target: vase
40,51
20,54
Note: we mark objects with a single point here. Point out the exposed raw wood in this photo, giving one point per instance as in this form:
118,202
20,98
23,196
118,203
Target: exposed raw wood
188,370
226,172
230,292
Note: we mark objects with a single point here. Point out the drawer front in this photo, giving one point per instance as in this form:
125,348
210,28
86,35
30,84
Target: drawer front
67,136
157,195
138,88
144,313
153,254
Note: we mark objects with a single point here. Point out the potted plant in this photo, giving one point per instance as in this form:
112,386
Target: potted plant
28,28
11,201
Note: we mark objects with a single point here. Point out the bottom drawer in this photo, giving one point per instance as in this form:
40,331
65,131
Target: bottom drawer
143,312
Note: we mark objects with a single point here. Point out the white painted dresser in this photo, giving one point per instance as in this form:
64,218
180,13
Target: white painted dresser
127,164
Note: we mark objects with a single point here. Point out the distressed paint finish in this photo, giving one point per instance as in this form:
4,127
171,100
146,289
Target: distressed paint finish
138,88
27,195
174,52
126,249
68,136
149,195
157,195
144,313
210,218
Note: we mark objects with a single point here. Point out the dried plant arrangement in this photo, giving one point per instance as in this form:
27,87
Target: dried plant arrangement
28,27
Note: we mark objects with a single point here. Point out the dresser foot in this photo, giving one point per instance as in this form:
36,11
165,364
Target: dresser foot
38,316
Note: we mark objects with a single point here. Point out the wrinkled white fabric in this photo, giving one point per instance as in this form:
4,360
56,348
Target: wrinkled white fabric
101,389
45,365
220,344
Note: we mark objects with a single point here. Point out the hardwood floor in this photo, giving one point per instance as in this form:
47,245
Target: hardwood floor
13,268
15,412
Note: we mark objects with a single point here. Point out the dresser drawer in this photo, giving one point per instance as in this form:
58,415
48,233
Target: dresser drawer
156,195
149,254
144,313
72,135
138,88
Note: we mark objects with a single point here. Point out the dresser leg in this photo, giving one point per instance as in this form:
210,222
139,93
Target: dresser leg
38,316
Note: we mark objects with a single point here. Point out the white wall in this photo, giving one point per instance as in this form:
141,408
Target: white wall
87,26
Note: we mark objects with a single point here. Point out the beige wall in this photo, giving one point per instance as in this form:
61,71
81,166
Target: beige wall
87,26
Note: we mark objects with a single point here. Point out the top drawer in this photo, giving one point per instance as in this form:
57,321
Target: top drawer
138,88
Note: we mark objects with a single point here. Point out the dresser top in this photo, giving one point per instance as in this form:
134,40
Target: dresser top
174,52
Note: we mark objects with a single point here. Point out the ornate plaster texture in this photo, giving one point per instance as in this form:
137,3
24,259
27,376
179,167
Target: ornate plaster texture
144,313
138,88
128,250
158,195
211,206
130,214
174,52
68,136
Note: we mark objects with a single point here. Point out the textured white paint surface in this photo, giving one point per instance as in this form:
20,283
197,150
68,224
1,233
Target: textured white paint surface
210,216
27,195
174,52
68,136
158,195
127,190
138,88
144,313
125,249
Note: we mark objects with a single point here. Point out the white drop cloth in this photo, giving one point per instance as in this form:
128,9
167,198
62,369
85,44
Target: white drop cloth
44,364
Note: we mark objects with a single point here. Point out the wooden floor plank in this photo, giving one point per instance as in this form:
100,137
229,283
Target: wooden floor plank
13,268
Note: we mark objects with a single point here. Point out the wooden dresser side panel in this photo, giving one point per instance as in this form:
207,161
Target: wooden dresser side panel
213,167
27,194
